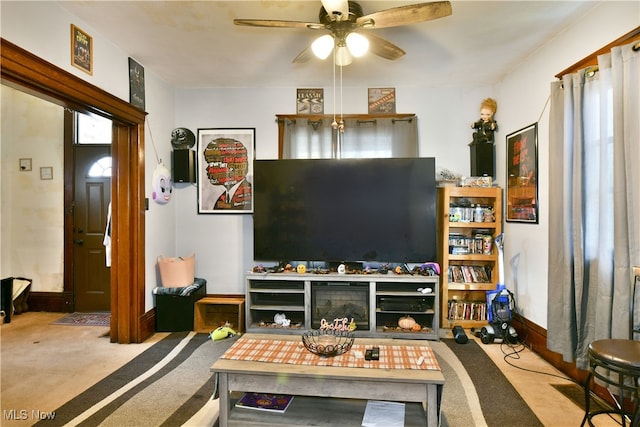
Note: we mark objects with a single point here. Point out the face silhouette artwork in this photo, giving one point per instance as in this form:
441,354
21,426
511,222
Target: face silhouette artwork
227,166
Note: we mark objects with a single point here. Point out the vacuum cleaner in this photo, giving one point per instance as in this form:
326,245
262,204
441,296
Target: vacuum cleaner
499,306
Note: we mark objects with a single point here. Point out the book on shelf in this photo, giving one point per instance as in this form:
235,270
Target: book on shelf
265,402
467,310
469,274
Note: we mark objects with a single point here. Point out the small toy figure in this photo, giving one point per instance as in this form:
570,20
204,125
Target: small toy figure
222,332
486,126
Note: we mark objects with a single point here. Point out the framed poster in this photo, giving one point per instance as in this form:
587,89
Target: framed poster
522,175
136,84
310,101
382,100
81,50
225,172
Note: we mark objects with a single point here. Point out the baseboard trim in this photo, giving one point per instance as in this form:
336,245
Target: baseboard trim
56,302
148,324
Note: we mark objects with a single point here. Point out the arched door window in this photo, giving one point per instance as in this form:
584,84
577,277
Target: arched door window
100,168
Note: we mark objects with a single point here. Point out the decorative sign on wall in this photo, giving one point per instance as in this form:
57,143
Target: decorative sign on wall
81,50
310,101
382,100
136,84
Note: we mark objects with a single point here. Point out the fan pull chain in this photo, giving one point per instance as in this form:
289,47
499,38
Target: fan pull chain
341,122
334,124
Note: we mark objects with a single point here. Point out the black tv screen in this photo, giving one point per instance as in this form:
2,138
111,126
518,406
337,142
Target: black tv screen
348,210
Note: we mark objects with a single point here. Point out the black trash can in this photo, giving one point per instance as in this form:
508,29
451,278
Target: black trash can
175,306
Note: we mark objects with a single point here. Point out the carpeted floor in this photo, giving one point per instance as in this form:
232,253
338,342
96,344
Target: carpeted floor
102,318
170,382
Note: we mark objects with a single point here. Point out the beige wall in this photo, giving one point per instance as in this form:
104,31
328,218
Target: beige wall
31,213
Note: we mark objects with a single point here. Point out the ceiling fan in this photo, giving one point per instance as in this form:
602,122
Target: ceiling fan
345,21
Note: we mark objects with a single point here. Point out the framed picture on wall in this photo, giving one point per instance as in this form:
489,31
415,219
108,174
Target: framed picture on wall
382,100
225,172
522,175
81,50
136,84
310,101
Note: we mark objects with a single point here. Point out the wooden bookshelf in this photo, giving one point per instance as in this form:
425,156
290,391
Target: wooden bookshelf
461,247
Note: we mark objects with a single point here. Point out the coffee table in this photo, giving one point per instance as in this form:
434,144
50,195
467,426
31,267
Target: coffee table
402,385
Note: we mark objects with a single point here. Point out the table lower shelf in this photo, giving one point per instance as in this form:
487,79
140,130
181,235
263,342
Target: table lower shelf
316,411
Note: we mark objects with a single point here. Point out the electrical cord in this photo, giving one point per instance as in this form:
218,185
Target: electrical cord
511,351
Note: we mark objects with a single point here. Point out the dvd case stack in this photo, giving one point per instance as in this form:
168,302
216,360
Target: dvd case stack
467,310
469,274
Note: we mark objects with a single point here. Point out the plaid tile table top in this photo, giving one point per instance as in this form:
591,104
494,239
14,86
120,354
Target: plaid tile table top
294,353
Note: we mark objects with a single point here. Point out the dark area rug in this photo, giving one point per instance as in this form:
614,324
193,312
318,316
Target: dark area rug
501,404
170,381
85,319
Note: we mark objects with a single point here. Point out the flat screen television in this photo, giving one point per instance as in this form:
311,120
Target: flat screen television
348,210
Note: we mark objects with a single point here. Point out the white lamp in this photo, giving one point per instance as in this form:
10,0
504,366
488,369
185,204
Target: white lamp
358,44
343,56
355,45
323,46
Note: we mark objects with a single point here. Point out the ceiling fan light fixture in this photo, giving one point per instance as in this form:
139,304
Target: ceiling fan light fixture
343,56
338,9
358,44
323,46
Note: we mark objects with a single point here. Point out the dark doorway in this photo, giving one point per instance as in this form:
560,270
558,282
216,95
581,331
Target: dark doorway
92,194
25,71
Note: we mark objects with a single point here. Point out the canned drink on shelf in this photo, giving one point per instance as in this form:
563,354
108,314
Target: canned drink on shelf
467,214
478,214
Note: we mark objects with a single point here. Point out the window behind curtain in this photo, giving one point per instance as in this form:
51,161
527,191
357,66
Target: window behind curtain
364,137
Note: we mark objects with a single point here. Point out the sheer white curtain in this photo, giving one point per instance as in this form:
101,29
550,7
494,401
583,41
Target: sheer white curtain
308,139
375,137
594,203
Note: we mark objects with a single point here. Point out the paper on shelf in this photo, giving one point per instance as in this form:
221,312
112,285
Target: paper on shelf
383,414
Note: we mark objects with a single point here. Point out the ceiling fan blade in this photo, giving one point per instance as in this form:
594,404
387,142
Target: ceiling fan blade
277,23
383,48
303,56
405,15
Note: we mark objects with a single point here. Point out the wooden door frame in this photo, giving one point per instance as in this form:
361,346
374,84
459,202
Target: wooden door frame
26,72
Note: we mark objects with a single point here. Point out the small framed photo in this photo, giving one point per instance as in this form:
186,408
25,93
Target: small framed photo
25,165
382,100
81,50
136,84
522,175
225,172
46,172
310,101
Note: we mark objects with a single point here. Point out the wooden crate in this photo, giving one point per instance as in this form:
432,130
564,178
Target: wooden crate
212,312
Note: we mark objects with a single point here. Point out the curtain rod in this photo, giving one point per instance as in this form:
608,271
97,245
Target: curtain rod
633,35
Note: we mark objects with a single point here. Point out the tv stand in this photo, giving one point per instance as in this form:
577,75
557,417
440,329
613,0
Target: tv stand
375,301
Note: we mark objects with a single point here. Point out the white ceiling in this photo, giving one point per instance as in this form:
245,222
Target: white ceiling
195,44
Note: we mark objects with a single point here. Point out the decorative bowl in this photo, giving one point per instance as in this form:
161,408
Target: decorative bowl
328,343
